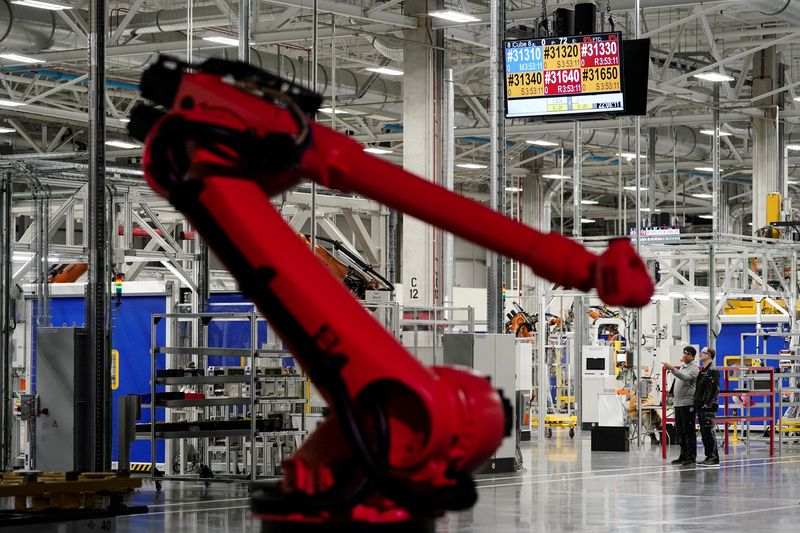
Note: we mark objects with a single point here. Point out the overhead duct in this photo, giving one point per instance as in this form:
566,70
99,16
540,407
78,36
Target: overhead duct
388,47
165,20
686,147
786,10
27,29
621,5
350,85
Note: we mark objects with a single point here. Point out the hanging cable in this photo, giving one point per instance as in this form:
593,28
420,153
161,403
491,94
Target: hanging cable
544,27
609,17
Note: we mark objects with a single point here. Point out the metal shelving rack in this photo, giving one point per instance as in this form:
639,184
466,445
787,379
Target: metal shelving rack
748,377
786,379
559,395
202,409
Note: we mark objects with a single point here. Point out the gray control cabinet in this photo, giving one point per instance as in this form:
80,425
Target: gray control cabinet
63,384
493,355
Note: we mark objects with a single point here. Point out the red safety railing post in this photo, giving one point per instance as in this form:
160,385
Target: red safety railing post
664,393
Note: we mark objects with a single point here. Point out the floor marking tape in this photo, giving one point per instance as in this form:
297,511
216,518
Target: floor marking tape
665,469
701,518
197,502
624,469
193,511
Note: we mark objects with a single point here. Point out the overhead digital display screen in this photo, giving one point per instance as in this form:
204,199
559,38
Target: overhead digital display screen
560,76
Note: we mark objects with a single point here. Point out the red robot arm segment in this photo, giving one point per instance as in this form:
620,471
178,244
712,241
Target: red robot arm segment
403,438
335,160
619,276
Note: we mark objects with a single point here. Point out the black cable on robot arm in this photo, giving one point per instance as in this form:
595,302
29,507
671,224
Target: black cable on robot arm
462,494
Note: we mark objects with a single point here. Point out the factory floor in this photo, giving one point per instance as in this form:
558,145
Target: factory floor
565,487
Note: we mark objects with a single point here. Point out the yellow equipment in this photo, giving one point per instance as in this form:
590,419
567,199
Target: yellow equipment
748,307
51,491
790,426
774,205
735,360
569,422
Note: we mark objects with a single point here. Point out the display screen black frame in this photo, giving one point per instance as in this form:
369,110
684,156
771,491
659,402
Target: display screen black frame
571,39
591,363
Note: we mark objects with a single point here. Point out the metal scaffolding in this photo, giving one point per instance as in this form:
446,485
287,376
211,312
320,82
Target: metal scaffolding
706,273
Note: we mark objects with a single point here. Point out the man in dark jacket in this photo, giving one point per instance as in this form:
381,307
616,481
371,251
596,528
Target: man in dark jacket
705,404
682,392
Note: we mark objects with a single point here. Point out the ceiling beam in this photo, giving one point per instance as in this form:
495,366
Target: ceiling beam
354,11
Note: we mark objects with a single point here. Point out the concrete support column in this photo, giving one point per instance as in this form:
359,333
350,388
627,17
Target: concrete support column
767,153
448,156
577,181
536,215
421,100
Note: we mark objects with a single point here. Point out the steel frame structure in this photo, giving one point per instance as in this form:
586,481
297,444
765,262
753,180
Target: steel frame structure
705,272
57,205
688,39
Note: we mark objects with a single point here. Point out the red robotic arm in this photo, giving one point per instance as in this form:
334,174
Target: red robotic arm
403,438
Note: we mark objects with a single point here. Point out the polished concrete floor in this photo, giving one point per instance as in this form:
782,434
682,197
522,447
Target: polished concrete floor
565,487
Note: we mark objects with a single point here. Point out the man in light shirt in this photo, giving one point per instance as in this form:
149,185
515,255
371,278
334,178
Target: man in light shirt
682,391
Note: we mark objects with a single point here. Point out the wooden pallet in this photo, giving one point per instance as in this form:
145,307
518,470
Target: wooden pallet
54,490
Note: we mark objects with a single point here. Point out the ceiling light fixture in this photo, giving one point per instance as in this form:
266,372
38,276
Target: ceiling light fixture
707,217
122,144
38,4
714,76
513,189
588,221
647,210
589,202
378,151
227,41
330,111
7,130
791,182
385,70
453,16
11,103
630,155
555,177
793,147
704,169
124,120
542,143
632,188
471,166
17,58
703,195
711,132
27,256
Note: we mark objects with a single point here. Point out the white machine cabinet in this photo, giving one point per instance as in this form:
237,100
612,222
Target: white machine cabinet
493,355
598,376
